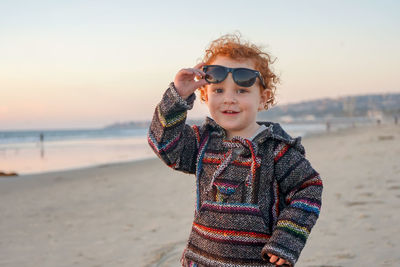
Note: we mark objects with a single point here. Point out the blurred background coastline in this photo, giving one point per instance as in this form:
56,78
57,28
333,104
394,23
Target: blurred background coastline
34,151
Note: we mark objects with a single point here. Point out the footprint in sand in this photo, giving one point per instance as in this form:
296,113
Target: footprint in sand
362,203
390,244
392,262
366,194
363,216
356,203
385,137
345,256
394,187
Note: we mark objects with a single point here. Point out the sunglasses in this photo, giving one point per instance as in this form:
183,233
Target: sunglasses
241,76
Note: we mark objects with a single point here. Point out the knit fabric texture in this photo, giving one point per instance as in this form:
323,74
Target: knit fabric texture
253,196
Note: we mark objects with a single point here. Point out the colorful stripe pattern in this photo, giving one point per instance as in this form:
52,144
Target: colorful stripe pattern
225,187
230,236
200,155
197,132
242,208
192,264
280,151
313,180
224,163
306,205
293,228
214,158
224,190
158,147
170,121
253,168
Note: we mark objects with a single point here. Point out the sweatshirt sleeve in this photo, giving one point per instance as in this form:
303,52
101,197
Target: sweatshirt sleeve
171,139
300,188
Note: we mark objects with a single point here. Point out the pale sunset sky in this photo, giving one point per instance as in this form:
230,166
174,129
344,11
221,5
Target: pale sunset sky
84,64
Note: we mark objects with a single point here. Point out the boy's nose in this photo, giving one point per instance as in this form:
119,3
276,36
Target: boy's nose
230,96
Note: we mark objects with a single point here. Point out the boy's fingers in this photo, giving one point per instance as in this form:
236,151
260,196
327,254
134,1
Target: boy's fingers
185,72
273,258
198,66
200,83
198,74
280,262
193,71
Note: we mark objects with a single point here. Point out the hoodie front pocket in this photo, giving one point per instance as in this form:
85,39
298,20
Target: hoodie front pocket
222,231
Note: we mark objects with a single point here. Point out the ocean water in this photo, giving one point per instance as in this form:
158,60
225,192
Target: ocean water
32,136
23,152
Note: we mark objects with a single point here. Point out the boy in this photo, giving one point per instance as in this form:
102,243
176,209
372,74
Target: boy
257,196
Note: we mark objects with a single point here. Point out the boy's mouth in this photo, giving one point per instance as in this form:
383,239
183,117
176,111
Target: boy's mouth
230,112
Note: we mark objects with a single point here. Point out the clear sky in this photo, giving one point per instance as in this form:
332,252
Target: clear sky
82,64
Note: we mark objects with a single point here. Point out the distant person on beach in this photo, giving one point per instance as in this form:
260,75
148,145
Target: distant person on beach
41,137
257,195
328,126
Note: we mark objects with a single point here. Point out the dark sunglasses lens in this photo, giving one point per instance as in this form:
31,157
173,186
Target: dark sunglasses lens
244,77
215,74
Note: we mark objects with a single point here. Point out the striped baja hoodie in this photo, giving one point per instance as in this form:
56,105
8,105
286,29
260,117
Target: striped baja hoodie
254,196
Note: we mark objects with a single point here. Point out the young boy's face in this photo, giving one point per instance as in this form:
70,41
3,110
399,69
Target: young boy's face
232,106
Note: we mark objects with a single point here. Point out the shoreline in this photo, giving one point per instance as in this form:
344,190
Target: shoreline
65,155
79,168
134,157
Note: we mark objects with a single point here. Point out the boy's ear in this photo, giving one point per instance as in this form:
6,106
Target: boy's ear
203,94
265,96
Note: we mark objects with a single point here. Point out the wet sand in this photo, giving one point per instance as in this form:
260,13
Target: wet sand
140,213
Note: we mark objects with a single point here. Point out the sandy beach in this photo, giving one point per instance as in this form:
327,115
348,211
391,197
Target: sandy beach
140,213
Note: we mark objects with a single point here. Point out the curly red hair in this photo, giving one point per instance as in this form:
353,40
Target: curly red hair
232,46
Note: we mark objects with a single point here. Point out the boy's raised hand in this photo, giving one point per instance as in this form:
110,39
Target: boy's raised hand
185,82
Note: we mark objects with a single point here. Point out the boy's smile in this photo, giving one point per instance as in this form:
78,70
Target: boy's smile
232,106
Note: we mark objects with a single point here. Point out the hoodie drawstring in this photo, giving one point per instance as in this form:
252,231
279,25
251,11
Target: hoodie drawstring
238,146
